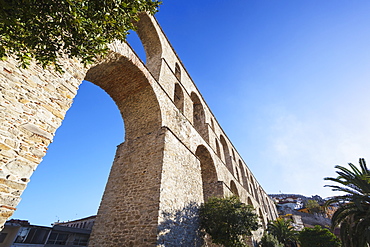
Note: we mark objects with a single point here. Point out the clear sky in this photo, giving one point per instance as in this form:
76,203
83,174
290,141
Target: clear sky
289,82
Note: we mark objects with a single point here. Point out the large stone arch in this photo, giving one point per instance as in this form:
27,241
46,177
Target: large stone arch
209,174
132,91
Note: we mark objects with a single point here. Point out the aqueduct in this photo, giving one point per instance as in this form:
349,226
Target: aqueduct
175,154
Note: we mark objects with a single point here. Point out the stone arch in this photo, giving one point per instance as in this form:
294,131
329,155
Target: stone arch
251,185
257,192
199,116
151,42
131,89
179,97
260,213
249,201
217,148
244,178
127,85
237,173
227,156
232,151
177,71
233,188
208,172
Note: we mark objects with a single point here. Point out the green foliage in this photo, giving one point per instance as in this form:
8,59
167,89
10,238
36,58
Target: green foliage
318,237
353,214
45,29
269,240
283,231
227,220
314,206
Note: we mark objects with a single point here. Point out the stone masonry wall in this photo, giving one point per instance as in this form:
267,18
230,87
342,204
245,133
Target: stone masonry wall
33,103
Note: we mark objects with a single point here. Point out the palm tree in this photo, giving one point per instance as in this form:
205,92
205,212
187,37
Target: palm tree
353,214
283,231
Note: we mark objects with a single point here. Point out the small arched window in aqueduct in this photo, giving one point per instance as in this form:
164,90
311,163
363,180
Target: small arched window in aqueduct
227,156
237,173
244,178
208,170
199,116
217,148
233,188
179,97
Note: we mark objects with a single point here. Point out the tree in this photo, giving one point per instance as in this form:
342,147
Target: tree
353,214
227,220
317,237
283,231
269,240
44,30
314,206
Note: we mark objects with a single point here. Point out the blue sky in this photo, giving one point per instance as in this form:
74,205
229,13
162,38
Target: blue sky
287,80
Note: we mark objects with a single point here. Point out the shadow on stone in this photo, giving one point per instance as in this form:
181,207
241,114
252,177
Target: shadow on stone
181,227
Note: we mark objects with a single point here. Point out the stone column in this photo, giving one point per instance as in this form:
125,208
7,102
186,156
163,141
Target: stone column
128,214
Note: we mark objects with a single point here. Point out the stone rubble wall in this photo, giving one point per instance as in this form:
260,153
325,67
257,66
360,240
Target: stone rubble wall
33,103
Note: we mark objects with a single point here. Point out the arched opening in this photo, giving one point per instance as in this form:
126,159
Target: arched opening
78,160
244,178
233,188
199,117
227,156
249,201
212,124
132,92
177,71
152,44
179,97
262,218
209,175
251,185
237,173
256,192
217,148
232,151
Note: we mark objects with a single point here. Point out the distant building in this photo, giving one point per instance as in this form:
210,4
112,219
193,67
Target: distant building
283,202
84,223
20,233
292,206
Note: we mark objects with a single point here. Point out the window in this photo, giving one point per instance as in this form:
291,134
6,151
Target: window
58,238
81,240
36,236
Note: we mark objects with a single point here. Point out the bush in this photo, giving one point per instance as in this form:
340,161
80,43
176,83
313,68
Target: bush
227,220
269,240
318,237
